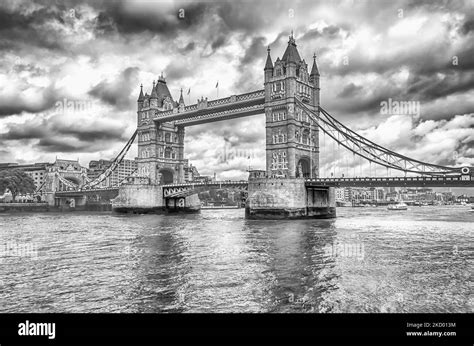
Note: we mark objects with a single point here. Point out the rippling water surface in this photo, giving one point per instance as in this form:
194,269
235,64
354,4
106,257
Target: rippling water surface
366,260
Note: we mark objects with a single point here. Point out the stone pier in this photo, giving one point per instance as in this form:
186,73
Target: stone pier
288,198
141,197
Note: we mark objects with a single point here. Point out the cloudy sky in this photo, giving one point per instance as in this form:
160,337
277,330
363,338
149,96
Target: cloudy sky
70,73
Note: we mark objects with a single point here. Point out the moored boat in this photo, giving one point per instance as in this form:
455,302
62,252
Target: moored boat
398,206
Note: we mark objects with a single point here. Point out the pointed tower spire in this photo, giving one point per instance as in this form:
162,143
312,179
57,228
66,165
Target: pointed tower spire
314,69
153,95
181,98
269,63
141,97
291,53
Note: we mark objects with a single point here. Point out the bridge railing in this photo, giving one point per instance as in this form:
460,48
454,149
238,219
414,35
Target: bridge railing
224,182
250,95
218,102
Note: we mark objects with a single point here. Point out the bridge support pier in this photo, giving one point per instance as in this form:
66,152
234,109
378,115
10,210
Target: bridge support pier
139,198
275,198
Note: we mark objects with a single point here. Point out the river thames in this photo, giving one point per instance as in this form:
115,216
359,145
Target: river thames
365,260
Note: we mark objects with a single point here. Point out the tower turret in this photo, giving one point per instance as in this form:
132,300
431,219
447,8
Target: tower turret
141,98
314,76
314,79
268,66
181,102
181,98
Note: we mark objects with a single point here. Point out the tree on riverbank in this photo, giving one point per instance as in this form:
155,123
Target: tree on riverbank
17,182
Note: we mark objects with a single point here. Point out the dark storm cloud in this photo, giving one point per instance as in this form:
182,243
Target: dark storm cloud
350,90
91,135
117,16
188,48
237,17
369,103
120,91
54,145
54,134
18,103
178,69
219,42
28,27
465,58
22,132
433,87
330,32
467,27
255,51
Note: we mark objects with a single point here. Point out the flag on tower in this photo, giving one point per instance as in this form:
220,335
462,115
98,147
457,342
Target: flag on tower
189,90
217,84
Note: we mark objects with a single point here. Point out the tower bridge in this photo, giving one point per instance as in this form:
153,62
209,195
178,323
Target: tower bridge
291,186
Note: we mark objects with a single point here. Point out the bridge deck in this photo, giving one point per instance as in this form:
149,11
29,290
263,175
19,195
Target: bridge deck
179,190
392,182
185,189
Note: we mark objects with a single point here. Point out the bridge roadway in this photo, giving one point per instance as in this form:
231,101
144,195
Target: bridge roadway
431,181
186,189
79,193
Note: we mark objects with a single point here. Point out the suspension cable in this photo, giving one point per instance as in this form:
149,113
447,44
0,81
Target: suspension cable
371,151
118,159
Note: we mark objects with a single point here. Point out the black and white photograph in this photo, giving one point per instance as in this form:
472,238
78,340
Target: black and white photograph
214,158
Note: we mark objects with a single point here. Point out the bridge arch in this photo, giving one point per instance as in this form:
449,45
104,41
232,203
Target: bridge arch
303,168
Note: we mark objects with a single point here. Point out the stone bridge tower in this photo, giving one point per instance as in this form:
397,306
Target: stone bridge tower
160,145
292,137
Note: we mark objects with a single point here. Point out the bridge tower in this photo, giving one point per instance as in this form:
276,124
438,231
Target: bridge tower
292,144
160,145
292,137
